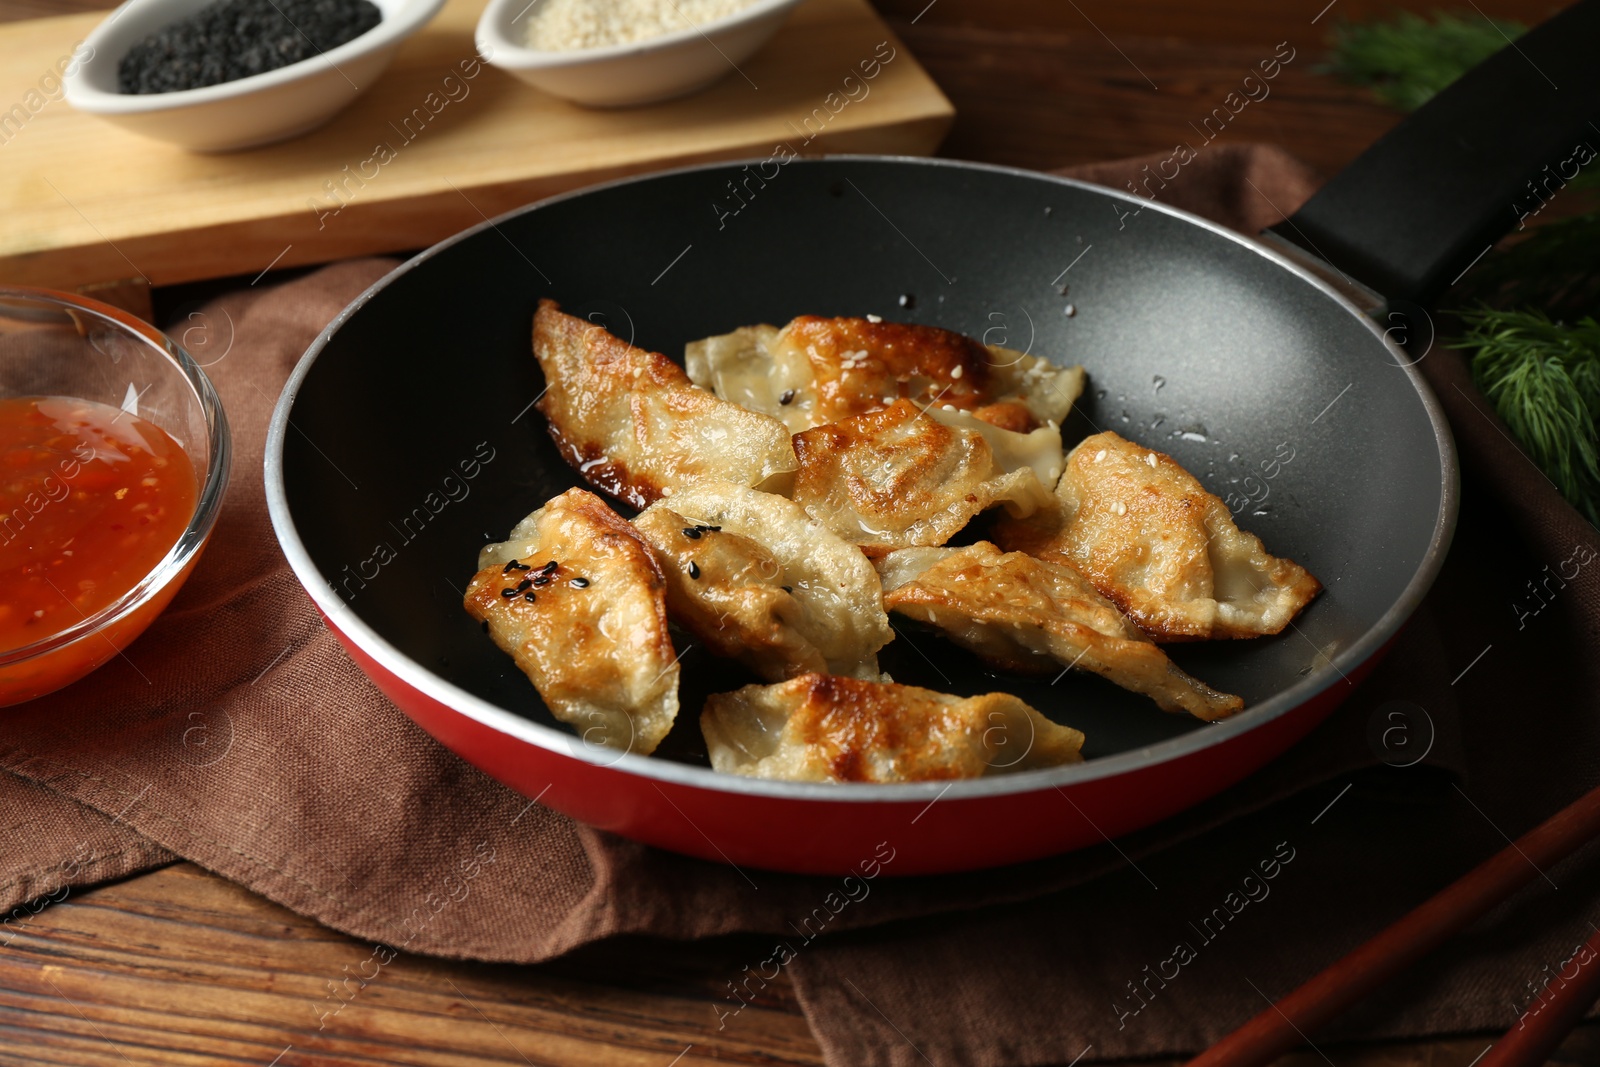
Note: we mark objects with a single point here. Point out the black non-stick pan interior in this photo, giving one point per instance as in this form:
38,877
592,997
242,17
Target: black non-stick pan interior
1275,394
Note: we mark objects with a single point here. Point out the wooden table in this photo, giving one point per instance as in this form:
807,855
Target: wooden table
178,966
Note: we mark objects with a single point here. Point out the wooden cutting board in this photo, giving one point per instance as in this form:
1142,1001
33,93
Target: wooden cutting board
85,202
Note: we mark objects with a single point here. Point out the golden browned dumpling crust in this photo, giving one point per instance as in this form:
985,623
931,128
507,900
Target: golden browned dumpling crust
632,423
901,477
758,580
821,728
726,590
579,602
1023,614
1148,536
819,370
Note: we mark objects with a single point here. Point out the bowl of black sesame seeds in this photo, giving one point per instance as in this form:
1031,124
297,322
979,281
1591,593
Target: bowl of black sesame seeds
221,75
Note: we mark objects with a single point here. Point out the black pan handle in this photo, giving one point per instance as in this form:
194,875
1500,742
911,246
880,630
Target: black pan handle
1419,207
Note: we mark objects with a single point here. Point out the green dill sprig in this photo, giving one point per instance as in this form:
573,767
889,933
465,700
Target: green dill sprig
1551,269
1407,59
1528,309
1543,378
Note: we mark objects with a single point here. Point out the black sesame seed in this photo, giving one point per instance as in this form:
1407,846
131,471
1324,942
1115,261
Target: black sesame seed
787,397
515,565
692,532
234,39
694,569
549,567
543,579
522,586
530,596
508,592
581,583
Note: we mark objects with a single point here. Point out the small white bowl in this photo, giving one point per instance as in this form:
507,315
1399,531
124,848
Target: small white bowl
263,108
641,72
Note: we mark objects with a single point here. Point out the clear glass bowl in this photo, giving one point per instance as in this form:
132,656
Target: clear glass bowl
58,344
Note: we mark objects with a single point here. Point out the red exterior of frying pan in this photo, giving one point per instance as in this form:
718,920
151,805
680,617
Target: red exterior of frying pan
823,837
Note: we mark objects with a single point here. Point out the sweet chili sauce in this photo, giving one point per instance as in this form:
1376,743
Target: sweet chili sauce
91,499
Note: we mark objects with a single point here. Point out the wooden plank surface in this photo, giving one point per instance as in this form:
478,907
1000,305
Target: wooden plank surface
1047,98
86,201
1229,22
1050,83
179,967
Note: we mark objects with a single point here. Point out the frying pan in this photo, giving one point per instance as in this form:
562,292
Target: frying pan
405,440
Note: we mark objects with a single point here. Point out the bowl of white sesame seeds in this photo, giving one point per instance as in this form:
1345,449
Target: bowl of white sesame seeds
622,53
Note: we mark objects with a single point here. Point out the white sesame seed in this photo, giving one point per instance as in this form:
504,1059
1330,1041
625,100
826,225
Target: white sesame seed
874,318
956,373
1100,455
571,25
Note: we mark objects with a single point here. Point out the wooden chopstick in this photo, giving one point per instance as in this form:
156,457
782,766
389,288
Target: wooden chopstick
1551,1018
1282,1027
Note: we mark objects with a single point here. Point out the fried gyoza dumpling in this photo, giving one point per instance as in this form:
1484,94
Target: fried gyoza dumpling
757,580
819,728
1039,448
632,423
578,600
1148,536
818,370
1023,614
900,477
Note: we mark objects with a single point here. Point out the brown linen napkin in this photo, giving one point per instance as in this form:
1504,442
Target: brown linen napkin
257,750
